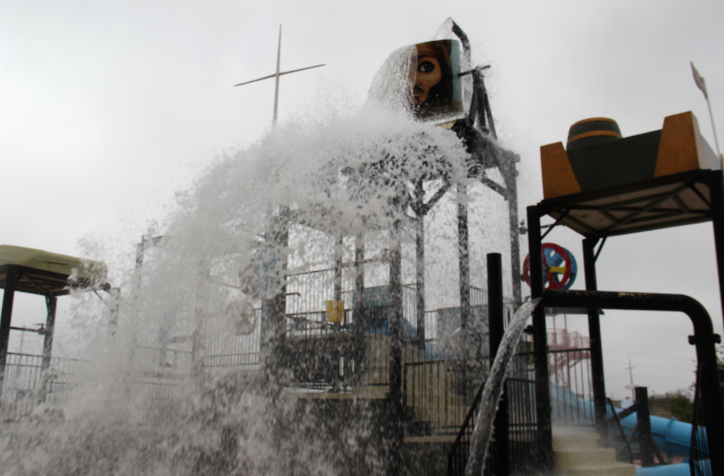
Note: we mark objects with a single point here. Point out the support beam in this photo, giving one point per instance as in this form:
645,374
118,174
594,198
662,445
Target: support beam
11,280
273,321
516,270
594,332
463,258
420,278
395,325
198,338
115,310
496,320
338,269
51,303
420,262
643,419
716,195
359,305
542,379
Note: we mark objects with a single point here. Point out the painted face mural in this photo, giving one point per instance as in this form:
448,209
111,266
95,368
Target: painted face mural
436,89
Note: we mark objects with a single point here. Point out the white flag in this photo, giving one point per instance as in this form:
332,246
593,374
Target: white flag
699,81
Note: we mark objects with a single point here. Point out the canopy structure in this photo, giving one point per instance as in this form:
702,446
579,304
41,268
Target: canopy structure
47,274
650,181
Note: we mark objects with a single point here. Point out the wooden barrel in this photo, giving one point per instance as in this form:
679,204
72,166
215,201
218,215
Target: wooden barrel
592,131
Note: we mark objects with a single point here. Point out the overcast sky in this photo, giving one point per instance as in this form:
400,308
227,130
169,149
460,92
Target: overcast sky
108,108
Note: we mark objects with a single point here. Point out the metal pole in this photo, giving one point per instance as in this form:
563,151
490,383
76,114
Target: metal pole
594,332
420,265
359,305
276,89
198,338
713,128
11,279
274,309
512,187
395,327
496,324
337,354
464,269
463,258
51,304
542,379
420,288
643,420
115,309
716,195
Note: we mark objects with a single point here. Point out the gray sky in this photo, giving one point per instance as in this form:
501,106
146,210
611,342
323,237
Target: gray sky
107,108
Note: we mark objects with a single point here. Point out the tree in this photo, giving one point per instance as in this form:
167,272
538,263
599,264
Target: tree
679,405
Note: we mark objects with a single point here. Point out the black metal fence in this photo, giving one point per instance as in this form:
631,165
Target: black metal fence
26,385
522,424
434,398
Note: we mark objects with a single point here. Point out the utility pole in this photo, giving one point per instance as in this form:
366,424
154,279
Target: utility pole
630,376
277,75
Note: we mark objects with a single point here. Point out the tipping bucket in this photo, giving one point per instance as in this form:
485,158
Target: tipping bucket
592,131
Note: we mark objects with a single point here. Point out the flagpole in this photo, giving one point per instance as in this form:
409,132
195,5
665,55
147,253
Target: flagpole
276,90
716,141
701,83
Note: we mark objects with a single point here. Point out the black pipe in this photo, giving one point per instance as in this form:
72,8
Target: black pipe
594,332
704,339
540,346
716,195
496,329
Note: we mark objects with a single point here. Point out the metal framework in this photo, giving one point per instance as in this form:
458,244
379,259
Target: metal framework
672,200
16,278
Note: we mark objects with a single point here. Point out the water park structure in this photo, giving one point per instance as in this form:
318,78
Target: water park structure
331,309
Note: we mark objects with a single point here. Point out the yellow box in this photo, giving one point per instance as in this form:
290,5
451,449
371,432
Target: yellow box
335,311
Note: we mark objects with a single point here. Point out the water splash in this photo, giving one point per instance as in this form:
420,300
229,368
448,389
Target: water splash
494,389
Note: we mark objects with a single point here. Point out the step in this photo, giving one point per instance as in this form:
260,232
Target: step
574,459
574,441
612,470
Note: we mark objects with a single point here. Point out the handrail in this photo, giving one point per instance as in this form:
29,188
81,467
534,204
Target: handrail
620,428
466,423
704,339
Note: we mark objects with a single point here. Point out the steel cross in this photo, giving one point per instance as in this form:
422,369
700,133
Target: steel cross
277,75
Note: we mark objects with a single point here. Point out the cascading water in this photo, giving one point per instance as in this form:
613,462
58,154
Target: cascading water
155,398
493,389
227,424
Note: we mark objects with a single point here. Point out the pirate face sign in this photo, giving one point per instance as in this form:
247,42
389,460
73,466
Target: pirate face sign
434,79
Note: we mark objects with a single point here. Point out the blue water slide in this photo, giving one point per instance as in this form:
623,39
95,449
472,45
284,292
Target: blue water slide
681,469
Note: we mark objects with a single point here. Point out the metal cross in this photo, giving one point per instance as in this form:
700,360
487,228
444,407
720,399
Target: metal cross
277,75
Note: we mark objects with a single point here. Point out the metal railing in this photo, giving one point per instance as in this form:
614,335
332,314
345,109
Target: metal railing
522,424
26,385
617,438
433,397
571,387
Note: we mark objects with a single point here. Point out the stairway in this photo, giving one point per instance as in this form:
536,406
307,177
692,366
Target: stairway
576,453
